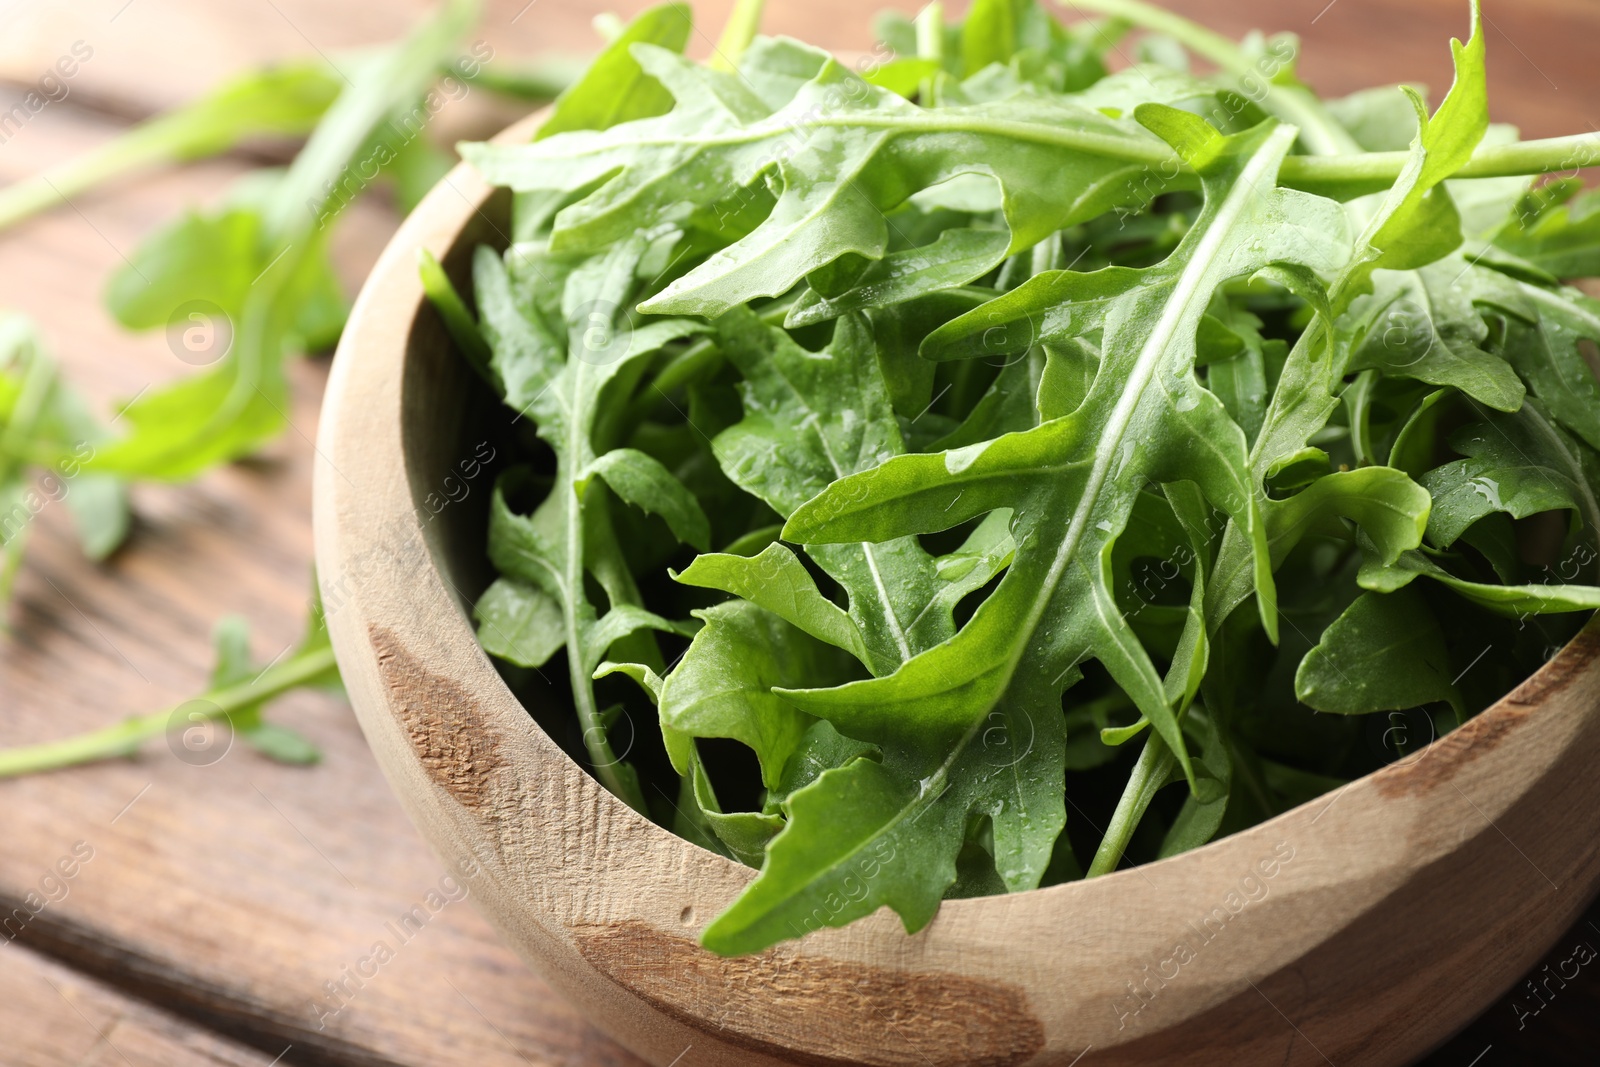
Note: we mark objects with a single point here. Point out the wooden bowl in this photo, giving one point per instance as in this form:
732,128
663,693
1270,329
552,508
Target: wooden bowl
1362,928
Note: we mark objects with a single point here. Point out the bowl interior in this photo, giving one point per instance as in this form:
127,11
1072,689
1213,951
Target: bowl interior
448,415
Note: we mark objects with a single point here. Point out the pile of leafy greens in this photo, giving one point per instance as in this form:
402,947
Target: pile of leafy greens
939,446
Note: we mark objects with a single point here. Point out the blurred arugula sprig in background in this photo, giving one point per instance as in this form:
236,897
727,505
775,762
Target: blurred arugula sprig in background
240,287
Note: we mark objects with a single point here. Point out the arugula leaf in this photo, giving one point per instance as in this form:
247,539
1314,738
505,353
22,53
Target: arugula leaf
283,100
1424,326
238,693
46,435
744,835
518,622
871,850
723,687
1240,379
1552,360
1385,653
1520,464
614,88
954,258
776,580
1556,230
1391,510
809,422
644,482
257,274
459,321
1518,601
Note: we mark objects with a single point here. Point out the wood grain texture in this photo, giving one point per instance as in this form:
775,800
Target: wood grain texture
926,1017
52,1016
222,891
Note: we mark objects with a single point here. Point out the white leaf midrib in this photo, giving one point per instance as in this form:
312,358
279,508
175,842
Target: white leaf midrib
1242,194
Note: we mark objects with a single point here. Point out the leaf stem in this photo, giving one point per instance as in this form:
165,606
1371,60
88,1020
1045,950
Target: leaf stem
158,142
1372,172
1289,101
1154,767
930,45
1342,177
930,32
210,125
1246,769
1354,172
596,740
38,378
124,738
692,364
744,22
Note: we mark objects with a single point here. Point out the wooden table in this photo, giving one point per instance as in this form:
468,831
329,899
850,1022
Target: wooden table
216,902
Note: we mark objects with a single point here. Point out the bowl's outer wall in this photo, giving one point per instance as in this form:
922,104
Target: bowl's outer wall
1360,929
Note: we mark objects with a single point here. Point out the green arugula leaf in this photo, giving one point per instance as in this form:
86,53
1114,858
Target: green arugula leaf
614,88
776,580
1382,119
989,34
873,853
238,693
458,319
1556,230
256,275
742,834
1520,464
1391,510
1426,327
724,685
1385,653
955,257
810,421
1552,360
46,436
519,623
644,482
1240,379
1518,601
